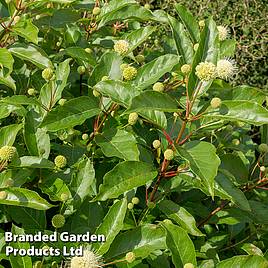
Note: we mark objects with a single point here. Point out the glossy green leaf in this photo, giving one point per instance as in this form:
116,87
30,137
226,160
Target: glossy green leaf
74,112
31,53
6,61
245,111
8,134
183,43
81,55
152,71
32,162
189,22
227,48
144,240
24,198
257,209
20,100
244,262
203,161
180,215
124,177
7,81
111,225
180,245
251,249
248,93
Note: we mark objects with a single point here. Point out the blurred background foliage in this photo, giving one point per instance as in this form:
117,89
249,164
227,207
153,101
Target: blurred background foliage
248,23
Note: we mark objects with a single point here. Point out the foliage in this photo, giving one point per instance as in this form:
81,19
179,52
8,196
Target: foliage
148,145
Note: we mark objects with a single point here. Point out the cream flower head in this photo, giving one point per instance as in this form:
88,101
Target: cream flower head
121,47
223,32
205,71
226,68
88,260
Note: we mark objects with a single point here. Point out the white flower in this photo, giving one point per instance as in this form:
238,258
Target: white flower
205,71
226,68
121,46
88,260
223,32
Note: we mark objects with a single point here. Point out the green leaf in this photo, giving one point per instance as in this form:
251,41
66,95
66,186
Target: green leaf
155,117
183,43
180,215
251,249
152,71
24,198
26,29
145,239
153,100
246,111
203,161
6,61
74,112
227,48
257,209
32,162
119,143
189,22
81,55
31,53
248,93
20,100
111,225
244,262
19,261
207,51
180,245
124,177
7,81
8,134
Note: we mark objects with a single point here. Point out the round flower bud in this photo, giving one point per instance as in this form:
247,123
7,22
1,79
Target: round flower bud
104,78
140,58
58,221
62,102
37,17
88,50
129,73
223,32
3,195
31,91
47,74
130,257
7,153
130,206
123,66
81,70
96,11
262,168
158,86
88,260
60,161
202,23
186,68
156,144
58,44
64,197
236,142
132,118
147,6
37,264
84,136
229,128
263,148
205,71
151,205
135,200
96,93
9,182
16,19
169,154
215,103
196,46
49,5
188,265
121,47
226,68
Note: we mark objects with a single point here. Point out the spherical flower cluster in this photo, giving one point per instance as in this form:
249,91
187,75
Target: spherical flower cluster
186,68
62,102
202,23
135,200
96,11
7,153
60,161
223,32
169,154
140,58
262,168
132,118
129,73
205,71
64,196
88,50
31,91
58,221
3,195
48,74
121,47
226,68
215,103
156,144
84,136
130,206
196,46
158,86
263,148
81,70
88,260
123,66
130,257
